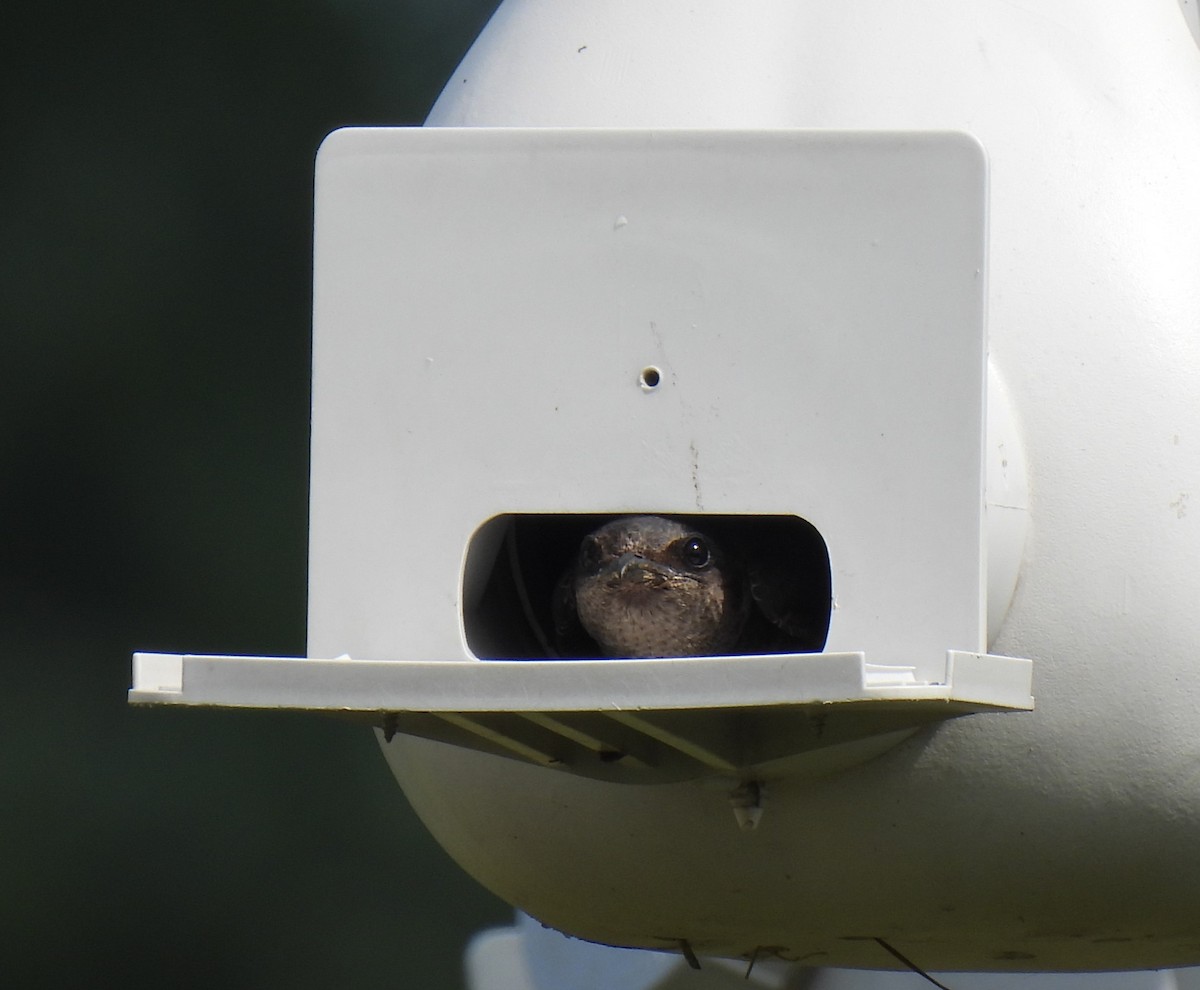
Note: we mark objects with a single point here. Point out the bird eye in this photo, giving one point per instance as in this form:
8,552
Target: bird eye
693,551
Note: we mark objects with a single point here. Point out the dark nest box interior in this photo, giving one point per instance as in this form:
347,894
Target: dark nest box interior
516,563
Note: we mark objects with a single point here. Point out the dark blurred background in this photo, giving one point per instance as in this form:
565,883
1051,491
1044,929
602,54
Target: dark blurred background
155,267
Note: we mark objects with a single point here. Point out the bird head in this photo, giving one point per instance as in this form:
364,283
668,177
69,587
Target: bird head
647,586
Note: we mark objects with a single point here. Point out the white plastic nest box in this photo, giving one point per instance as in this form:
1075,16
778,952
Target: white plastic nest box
520,333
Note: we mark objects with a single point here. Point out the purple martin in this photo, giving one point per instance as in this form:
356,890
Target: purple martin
645,586
650,586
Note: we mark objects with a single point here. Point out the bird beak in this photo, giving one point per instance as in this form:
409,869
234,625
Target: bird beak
632,566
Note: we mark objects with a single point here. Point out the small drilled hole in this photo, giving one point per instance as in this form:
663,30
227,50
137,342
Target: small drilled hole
650,378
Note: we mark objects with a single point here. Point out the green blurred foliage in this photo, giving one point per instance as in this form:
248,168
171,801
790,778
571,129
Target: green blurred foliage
155,267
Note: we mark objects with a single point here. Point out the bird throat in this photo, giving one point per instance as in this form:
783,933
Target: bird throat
647,613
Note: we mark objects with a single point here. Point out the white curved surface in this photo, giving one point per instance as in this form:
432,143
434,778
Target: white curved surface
1064,839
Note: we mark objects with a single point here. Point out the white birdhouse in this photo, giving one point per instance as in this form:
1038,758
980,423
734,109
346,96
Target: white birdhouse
778,336
811,323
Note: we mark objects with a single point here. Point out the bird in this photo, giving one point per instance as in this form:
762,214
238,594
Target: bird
645,586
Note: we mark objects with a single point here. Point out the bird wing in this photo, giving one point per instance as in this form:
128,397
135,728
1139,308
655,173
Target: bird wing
787,573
